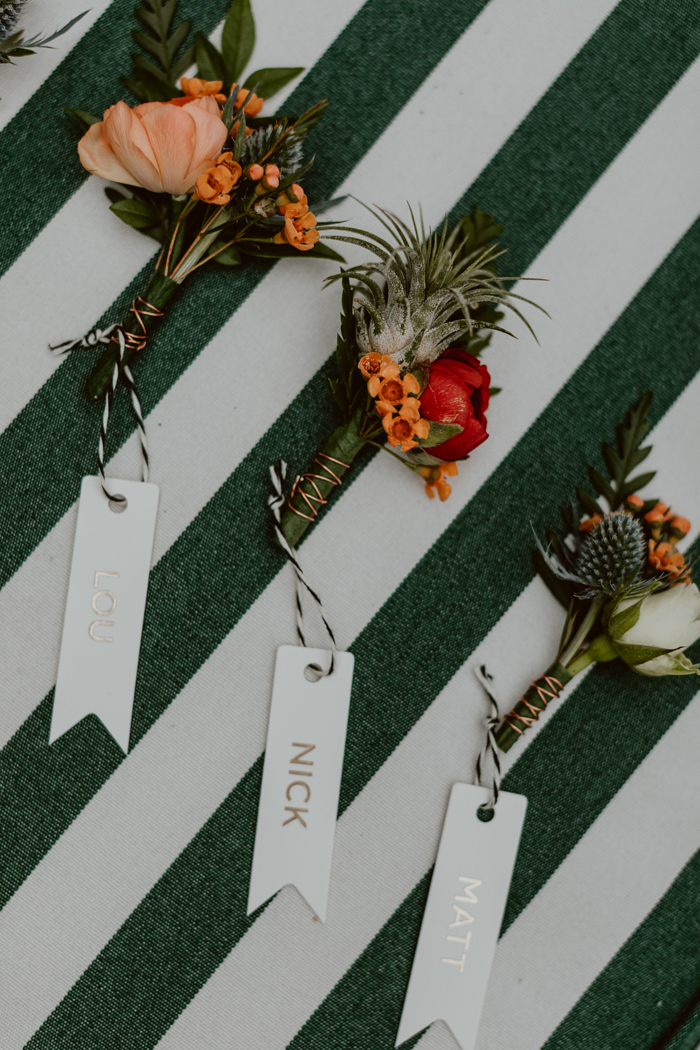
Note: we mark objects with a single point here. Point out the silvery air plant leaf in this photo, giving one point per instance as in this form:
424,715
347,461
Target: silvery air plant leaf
428,279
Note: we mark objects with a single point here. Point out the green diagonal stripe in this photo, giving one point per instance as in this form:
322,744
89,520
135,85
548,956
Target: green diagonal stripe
43,789
194,915
52,442
569,774
640,992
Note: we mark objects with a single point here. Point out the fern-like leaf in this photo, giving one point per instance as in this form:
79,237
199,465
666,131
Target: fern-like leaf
154,78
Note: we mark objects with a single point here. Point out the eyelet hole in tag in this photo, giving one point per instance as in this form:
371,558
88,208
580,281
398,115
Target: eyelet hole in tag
485,814
120,506
313,673
301,776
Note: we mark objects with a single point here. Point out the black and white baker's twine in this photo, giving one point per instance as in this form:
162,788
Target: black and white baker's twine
275,502
492,723
94,338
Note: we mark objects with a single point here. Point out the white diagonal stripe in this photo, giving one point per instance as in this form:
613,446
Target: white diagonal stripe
196,753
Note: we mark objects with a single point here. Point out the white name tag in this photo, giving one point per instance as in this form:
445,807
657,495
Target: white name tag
104,612
462,920
301,778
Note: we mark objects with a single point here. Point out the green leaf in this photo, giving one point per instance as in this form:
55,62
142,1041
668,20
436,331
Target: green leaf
268,250
134,213
240,134
84,118
238,38
560,589
639,654
438,433
114,195
636,483
228,257
624,621
270,81
588,503
210,64
600,484
155,81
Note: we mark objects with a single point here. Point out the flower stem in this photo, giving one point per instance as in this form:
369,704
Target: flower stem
343,446
411,466
582,633
159,292
547,687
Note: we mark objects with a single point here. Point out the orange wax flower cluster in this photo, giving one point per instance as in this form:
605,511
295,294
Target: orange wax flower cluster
299,223
395,400
193,87
214,186
435,478
667,529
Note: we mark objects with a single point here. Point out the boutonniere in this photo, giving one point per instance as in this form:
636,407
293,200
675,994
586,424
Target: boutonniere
196,167
413,326
619,574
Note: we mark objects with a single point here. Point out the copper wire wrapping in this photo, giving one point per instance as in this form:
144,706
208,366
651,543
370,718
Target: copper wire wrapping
544,696
135,340
309,497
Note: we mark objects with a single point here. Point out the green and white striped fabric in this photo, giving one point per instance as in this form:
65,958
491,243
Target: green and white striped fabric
123,880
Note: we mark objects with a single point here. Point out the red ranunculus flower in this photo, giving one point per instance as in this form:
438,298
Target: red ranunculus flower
457,392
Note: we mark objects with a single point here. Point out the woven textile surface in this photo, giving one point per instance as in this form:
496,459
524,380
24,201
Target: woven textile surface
124,879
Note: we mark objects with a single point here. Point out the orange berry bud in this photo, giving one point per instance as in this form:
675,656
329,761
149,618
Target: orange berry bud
681,525
590,523
635,501
255,172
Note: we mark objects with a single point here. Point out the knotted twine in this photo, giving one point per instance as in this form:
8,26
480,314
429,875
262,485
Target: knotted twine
275,502
94,338
492,723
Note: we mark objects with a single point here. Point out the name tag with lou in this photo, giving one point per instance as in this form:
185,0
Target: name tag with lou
105,608
463,916
301,777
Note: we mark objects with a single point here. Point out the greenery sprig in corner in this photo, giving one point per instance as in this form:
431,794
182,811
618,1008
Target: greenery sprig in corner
13,43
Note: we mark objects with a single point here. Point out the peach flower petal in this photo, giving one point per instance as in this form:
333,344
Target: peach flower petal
131,145
98,157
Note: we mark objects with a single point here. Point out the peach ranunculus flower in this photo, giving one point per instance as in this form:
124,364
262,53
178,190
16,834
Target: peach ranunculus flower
156,145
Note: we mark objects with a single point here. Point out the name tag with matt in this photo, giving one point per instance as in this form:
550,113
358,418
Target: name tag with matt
301,777
105,608
463,916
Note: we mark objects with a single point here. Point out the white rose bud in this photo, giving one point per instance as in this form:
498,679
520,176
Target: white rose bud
667,620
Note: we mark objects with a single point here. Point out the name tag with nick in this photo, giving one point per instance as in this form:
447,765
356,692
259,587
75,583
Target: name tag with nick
104,612
301,776
463,915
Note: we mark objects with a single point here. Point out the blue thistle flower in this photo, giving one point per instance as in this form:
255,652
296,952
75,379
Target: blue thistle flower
611,558
9,13
610,561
